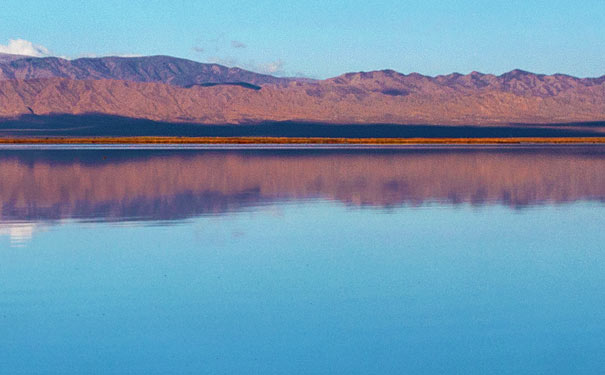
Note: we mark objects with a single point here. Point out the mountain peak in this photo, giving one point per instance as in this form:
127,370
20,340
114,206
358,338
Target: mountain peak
518,73
159,68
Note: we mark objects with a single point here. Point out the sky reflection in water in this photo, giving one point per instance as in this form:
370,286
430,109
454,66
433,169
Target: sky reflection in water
466,261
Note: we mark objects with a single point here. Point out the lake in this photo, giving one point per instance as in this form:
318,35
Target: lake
295,260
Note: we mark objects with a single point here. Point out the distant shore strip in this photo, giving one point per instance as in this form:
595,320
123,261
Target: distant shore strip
293,140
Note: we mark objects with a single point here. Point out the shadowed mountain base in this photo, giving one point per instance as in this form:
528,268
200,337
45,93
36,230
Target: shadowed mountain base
114,126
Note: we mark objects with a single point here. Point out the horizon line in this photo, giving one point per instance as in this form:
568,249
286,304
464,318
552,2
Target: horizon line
412,73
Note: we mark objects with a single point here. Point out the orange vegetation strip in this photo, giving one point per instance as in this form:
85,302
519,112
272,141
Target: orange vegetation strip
285,140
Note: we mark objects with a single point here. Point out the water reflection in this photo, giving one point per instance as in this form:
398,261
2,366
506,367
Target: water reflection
166,185
19,233
312,286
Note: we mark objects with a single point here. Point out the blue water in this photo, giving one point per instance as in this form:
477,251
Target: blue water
300,285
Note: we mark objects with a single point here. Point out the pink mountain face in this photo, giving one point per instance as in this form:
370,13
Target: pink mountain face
176,90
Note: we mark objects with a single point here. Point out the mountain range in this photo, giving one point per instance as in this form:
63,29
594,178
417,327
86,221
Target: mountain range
169,89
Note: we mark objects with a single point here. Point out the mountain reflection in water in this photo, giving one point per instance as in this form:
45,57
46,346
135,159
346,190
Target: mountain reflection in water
165,185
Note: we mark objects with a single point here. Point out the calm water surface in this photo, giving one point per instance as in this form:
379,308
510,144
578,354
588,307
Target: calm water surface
299,261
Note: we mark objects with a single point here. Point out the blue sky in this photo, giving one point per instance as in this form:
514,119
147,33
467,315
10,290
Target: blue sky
325,38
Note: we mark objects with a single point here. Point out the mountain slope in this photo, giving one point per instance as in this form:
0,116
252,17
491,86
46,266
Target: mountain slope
165,69
7,57
325,101
176,90
517,82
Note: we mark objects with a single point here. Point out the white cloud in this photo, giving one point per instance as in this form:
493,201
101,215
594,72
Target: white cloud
24,47
273,67
230,62
94,55
237,44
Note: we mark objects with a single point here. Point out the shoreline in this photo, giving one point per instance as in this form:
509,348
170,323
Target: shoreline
298,140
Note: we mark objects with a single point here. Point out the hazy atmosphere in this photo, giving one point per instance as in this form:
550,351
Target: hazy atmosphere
321,39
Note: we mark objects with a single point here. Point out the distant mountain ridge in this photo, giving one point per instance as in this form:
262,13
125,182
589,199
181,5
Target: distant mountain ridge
161,69
8,57
518,82
177,90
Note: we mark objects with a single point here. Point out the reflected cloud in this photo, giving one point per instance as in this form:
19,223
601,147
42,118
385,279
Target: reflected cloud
19,233
169,185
